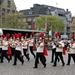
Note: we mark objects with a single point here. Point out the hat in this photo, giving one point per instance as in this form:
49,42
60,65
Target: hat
72,36
32,33
26,35
57,34
8,35
41,34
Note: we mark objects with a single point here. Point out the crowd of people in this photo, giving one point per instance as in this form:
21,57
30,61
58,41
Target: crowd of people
61,47
18,47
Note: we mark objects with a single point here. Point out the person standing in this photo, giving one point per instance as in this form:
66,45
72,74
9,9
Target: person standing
59,49
39,54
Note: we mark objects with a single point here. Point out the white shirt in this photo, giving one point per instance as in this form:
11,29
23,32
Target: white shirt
72,48
5,45
18,46
60,48
25,44
31,42
53,45
40,48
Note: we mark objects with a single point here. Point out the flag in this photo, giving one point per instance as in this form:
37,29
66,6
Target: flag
33,25
45,51
56,4
64,51
9,50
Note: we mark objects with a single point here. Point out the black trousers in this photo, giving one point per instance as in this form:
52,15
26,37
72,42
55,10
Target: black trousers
42,59
56,58
4,54
53,54
25,53
13,50
31,50
17,54
0,52
69,58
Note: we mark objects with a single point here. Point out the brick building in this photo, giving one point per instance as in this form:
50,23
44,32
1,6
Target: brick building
6,7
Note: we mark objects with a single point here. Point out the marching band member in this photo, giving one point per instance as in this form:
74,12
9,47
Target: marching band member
4,50
59,49
10,43
25,48
39,54
13,45
71,51
31,41
18,52
53,51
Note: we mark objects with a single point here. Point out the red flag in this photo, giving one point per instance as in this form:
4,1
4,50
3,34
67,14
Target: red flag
9,50
33,25
73,36
45,51
64,51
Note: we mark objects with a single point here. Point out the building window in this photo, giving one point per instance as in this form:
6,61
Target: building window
70,16
29,19
47,12
3,11
13,11
34,20
8,10
30,12
3,19
8,3
24,20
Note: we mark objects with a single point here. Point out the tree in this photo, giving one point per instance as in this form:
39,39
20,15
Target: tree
53,22
14,21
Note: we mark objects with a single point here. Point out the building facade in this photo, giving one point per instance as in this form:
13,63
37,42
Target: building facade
73,25
6,7
38,9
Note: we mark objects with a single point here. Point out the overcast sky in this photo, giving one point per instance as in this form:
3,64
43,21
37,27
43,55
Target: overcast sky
65,4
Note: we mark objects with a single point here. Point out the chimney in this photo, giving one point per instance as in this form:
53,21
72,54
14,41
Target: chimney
67,10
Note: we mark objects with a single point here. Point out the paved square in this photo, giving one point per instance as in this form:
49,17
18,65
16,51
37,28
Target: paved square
27,69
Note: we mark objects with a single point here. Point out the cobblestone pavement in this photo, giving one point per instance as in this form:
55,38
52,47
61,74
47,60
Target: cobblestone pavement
27,69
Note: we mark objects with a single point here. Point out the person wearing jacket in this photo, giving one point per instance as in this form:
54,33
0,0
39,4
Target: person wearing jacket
25,48
18,52
39,54
59,49
31,42
4,50
53,51
71,52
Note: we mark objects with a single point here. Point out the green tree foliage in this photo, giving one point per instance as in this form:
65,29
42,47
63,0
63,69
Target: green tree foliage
14,21
53,22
